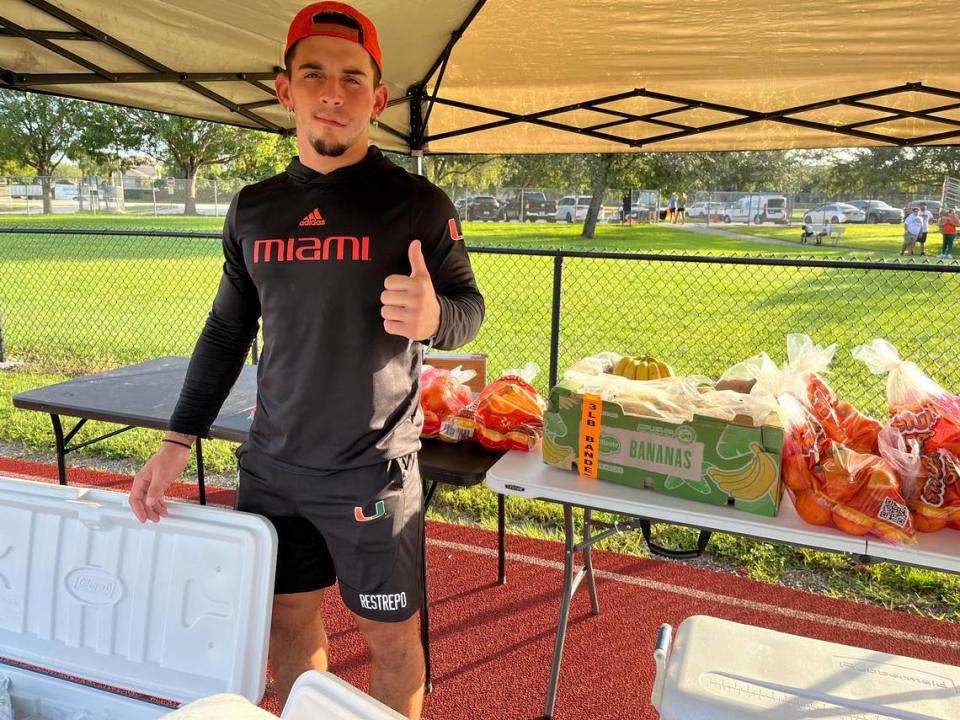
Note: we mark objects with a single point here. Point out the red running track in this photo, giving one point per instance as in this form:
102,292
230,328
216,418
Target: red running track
492,644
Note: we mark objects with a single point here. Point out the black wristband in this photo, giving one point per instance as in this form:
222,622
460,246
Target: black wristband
177,442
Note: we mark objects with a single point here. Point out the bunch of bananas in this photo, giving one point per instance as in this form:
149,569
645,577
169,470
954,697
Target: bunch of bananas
642,367
752,480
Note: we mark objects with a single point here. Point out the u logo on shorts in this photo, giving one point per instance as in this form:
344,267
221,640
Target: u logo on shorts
378,512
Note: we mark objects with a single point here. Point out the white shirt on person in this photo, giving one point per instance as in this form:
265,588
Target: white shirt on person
926,217
914,224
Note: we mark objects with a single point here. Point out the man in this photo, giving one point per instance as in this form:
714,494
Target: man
672,208
824,232
354,266
948,226
912,226
926,217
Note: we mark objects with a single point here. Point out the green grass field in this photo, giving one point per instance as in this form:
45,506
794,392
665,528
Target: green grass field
75,304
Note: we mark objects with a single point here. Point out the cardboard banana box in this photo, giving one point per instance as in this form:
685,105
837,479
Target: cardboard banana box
707,460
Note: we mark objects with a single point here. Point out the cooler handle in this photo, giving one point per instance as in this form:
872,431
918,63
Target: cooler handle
661,656
702,541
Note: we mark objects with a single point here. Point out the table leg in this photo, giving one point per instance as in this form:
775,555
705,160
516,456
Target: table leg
200,483
588,560
61,448
429,496
501,540
569,588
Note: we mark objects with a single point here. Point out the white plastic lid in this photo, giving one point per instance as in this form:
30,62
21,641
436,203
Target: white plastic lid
177,610
322,695
721,670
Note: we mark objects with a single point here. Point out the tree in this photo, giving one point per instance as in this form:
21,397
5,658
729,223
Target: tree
108,135
265,155
615,170
543,171
38,130
464,172
188,145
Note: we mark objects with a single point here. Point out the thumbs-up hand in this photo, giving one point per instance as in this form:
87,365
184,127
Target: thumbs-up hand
410,308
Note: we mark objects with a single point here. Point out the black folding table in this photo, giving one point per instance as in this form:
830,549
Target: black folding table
144,395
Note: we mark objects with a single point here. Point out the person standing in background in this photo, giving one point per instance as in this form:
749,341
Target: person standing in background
926,217
912,226
948,227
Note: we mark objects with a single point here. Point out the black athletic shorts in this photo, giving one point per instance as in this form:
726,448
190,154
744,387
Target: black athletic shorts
361,527
922,237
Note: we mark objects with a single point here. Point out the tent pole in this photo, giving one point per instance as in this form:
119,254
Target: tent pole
417,156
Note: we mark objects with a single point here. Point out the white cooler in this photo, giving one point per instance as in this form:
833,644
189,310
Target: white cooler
721,670
178,610
315,696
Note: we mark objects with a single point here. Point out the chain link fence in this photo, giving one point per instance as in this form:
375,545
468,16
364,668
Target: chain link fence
143,195
79,301
131,195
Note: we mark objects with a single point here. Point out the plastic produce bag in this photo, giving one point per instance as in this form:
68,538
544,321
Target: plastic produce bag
442,394
509,412
931,481
858,493
842,422
919,407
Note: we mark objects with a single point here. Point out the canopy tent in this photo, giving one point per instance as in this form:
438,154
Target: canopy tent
502,76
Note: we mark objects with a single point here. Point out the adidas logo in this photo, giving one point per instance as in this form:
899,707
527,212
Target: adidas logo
313,218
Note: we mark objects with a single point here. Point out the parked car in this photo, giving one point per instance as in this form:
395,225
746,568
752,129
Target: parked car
702,208
641,212
932,205
877,211
535,207
833,213
478,207
573,208
758,209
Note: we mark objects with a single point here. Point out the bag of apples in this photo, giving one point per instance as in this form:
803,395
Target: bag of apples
926,417
858,493
509,412
443,393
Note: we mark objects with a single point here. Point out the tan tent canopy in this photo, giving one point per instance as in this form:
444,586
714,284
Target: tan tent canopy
507,76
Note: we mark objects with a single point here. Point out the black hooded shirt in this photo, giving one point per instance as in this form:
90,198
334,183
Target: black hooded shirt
308,253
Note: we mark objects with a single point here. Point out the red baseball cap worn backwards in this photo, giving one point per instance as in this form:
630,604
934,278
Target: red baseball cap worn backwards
311,21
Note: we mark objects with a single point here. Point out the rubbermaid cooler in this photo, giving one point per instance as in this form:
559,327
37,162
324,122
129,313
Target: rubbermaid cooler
177,610
721,670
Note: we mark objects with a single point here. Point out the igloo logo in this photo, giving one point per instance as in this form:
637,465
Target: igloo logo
93,586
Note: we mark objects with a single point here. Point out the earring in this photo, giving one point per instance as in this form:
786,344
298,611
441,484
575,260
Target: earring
375,123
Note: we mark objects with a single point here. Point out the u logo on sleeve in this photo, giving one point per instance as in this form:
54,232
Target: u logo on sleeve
379,510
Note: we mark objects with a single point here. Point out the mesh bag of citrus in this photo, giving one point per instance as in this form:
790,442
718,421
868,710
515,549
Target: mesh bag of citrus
830,483
841,421
931,481
928,416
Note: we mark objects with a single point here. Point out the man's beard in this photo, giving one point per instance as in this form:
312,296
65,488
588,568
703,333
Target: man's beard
329,149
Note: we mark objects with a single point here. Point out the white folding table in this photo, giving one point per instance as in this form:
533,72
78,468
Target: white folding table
525,474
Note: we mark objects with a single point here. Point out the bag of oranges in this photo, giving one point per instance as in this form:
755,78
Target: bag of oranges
929,416
842,422
830,483
931,481
509,412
